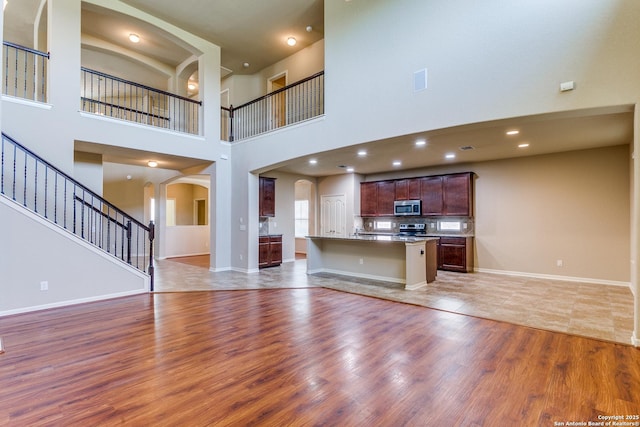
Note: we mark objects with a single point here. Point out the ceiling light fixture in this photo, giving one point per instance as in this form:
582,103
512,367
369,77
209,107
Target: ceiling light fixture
152,164
245,65
513,132
134,38
309,28
191,86
523,145
421,143
450,156
291,41
313,161
397,163
362,153
350,169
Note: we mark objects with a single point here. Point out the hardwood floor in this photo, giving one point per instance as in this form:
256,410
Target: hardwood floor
300,357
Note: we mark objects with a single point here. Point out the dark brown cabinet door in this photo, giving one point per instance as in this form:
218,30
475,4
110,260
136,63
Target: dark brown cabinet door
369,199
269,251
263,251
455,254
414,189
386,197
402,189
267,202
431,195
275,251
457,194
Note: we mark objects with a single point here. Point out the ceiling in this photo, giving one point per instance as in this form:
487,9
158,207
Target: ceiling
248,31
255,32
545,134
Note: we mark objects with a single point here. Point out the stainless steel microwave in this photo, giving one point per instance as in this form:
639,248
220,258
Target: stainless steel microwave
407,207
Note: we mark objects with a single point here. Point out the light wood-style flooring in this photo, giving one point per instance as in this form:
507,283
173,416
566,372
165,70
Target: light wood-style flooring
300,357
585,309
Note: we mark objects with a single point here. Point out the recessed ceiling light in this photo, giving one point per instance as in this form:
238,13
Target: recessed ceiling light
523,145
245,65
291,41
350,169
362,153
313,161
309,28
397,163
134,38
450,156
467,147
421,143
191,86
152,164
513,132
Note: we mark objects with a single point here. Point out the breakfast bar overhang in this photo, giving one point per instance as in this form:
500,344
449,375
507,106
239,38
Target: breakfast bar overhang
410,261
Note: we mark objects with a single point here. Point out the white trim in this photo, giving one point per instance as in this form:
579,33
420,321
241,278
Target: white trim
217,270
635,341
28,102
360,275
124,122
279,130
556,277
74,302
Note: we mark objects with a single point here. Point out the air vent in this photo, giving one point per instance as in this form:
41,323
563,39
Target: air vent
467,147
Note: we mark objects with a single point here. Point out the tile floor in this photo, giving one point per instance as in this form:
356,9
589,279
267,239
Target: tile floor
592,310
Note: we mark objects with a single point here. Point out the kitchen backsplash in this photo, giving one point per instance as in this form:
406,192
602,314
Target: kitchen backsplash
437,225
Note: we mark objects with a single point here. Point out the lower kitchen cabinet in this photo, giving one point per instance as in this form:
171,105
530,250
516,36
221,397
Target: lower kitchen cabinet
455,254
270,251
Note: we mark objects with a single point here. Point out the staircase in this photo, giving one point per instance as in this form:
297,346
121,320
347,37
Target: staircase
45,190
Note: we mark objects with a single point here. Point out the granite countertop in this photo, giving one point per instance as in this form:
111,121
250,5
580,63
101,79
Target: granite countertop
378,238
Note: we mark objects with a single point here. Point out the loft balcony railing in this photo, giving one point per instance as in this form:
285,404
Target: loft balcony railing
25,72
291,104
40,187
113,97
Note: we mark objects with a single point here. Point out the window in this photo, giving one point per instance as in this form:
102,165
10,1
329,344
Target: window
302,218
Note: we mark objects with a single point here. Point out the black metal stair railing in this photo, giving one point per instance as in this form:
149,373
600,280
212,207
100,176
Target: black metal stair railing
25,72
294,103
42,188
114,97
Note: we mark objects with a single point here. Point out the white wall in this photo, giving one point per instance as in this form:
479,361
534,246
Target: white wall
26,259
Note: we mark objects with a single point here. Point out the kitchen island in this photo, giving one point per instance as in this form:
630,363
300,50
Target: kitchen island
388,258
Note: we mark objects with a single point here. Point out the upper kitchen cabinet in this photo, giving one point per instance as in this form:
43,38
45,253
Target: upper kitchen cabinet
267,203
386,197
369,199
458,194
431,195
376,198
408,189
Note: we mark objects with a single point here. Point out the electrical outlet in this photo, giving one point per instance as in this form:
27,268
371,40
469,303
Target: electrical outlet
240,257
1,346
44,286
559,263
361,261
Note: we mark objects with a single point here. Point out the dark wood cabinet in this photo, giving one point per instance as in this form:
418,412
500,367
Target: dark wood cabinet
369,199
386,197
441,195
269,251
457,196
267,201
408,189
455,254
431,195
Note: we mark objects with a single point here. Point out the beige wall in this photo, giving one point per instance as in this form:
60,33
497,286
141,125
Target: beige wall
575,207
531,212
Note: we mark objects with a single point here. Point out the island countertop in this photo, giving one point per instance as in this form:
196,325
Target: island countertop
378,238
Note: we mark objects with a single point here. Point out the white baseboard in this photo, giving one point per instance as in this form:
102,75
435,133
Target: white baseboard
635,341
359,275
73,302
556,277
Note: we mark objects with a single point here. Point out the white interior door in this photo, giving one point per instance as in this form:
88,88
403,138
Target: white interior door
333,216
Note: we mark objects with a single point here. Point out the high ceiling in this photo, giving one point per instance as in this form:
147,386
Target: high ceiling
248,31
255,32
